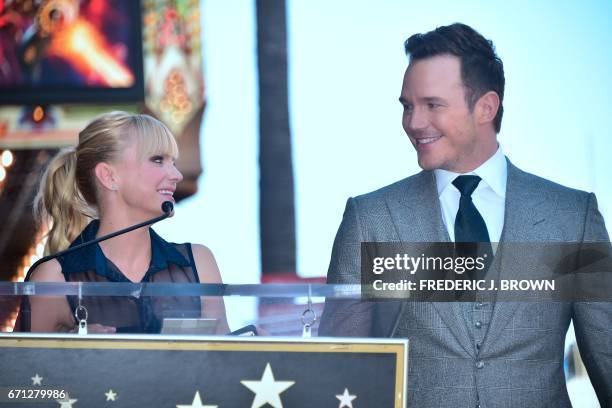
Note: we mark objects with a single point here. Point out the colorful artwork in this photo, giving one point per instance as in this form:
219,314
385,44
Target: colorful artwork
174,84
74,43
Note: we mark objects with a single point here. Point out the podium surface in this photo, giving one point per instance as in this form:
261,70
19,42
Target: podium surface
218,371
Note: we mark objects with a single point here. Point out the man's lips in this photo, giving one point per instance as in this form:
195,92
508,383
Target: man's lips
426,140
425,143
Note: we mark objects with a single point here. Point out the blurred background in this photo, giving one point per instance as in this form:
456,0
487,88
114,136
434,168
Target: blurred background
283,110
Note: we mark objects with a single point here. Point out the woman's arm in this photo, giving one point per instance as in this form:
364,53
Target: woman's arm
53,313
208,272
49,313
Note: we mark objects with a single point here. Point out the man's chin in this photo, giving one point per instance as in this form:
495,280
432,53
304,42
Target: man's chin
428,165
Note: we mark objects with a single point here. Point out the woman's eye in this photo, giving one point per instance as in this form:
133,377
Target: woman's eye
157,159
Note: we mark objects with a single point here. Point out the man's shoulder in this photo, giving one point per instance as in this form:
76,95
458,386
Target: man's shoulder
396,190
537,185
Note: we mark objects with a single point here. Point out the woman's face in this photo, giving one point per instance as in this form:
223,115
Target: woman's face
145,183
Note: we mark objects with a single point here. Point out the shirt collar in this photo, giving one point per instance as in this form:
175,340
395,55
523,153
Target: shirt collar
493,172
91,257
85,258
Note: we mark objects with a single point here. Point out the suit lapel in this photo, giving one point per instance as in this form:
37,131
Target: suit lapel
417,217
524,221
414,216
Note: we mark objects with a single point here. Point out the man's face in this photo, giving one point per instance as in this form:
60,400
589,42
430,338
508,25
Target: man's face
436,116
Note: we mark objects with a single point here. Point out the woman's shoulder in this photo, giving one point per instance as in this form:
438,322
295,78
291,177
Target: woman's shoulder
201,251
208,271
49,271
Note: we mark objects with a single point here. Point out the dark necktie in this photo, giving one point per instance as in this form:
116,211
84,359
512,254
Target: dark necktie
471,234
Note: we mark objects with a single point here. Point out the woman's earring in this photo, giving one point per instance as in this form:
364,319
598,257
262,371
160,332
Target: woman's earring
114,187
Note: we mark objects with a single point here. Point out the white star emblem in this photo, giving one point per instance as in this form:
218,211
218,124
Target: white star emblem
36,380
267,390
110,395
197,403
346,399
66,402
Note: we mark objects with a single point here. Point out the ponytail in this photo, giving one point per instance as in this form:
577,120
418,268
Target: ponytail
59,203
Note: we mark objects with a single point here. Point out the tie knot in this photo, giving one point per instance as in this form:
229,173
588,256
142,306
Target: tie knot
466,184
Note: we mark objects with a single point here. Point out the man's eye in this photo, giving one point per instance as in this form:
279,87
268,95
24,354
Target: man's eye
407,108
433,105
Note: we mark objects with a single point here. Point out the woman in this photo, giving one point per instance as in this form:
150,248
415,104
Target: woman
120,172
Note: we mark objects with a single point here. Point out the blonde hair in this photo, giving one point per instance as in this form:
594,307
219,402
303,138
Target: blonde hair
67,197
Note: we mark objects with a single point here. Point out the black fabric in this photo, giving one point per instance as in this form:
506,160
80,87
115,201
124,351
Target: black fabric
471,234
170,262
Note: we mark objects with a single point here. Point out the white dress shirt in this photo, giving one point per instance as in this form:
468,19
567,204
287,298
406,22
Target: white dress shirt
489,197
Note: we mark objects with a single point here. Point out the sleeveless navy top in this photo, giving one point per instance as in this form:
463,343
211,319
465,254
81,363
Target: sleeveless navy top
170,262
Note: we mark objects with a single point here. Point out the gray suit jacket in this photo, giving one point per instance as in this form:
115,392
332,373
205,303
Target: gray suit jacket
521,358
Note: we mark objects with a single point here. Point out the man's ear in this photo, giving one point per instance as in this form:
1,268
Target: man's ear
105,173
486,108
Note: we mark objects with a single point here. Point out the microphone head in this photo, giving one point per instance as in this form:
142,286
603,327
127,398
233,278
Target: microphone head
167,207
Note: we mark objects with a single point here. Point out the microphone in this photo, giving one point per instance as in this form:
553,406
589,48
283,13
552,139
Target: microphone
167,207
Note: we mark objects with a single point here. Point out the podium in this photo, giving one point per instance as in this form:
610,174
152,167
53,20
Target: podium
189,370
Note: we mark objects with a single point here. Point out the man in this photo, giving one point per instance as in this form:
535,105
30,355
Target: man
470,354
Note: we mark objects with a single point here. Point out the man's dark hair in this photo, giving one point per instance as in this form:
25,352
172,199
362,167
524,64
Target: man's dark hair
481,69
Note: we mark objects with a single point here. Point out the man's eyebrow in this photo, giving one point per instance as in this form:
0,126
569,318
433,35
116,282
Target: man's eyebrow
432,99
426,99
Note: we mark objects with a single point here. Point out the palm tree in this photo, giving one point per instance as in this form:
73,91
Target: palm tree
276,202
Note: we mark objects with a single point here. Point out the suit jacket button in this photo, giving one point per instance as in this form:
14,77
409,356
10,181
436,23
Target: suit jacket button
480,364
